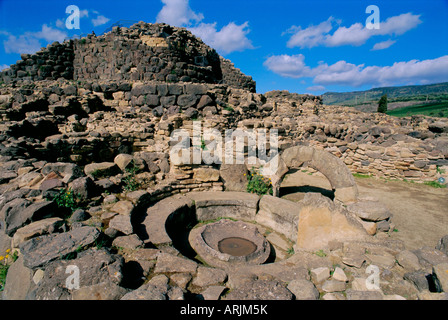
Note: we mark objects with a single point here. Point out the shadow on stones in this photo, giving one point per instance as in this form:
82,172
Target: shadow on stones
272,255
305,189
133,276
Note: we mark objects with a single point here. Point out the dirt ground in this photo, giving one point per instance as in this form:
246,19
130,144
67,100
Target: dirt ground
420,212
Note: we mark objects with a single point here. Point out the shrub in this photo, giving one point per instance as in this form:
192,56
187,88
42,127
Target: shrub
258,184
5,262
67,199
130,182
382,104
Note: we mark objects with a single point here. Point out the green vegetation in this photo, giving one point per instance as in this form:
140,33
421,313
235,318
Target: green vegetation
432,92
360,175
5,263
437,109
435,184
130,182
258,184
382,104
66,199
320,253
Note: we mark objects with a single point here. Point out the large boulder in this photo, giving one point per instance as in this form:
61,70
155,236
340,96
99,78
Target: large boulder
321,221
260,290
370,210
41,250
234,177
100,276
279,214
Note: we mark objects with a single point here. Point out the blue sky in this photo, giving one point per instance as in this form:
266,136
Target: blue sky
300,46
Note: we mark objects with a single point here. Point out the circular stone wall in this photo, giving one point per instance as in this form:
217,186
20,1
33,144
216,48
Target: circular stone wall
228,243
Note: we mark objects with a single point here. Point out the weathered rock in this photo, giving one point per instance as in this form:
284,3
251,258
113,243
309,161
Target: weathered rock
212,292
209,276
123,207
103,169
442,245
15,219
279,214
123,161
363,295
303,289
122,223
128,242
18,282
206,174
168,263
37,228
69,171
333,286
260,290
339,275
419,279
41,250
441,273
83,188
319,275
100,291
146,292
234,177
408,260
369,210
95,267
320,223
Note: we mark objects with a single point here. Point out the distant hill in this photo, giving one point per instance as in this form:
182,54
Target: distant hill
419,94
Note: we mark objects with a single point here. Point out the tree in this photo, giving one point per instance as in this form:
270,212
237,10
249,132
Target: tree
382,104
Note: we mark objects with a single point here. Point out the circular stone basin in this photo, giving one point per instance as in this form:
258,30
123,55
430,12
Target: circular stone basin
228,243
236,246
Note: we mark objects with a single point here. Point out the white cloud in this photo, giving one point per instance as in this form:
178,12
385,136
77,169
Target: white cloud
356,34
178,13
50,34
100,20
383,45
21,44
230,38
3,67
288,66
30,42
344,73
310,37
316,88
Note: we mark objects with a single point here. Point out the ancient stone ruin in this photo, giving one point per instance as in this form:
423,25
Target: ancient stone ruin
87,182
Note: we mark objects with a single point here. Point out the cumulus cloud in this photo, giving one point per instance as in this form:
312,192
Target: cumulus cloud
345,73
383,45
356,34
178,13
230,38
288,66
100,20
312,36
316,88
30,42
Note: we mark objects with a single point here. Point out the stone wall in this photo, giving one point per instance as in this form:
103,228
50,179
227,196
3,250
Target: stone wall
146,52
94,120
53,62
